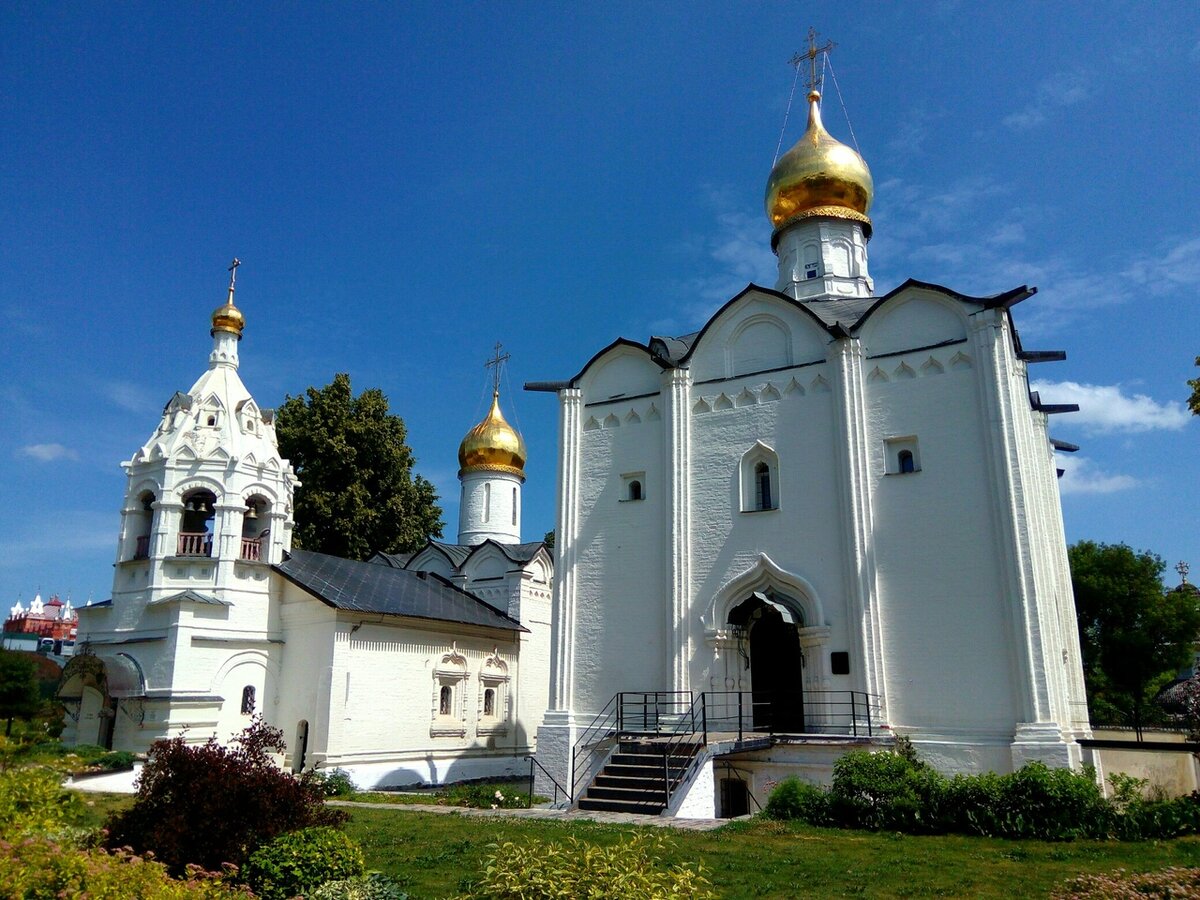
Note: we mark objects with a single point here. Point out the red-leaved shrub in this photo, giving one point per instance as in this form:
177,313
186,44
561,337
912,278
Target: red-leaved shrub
211,804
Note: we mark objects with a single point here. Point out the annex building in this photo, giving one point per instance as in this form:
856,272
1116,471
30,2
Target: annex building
828,517
429,667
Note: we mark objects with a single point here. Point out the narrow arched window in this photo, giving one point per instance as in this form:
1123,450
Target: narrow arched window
905,462
762,487
489,702
635,490
514,516
248,700
487,502
444,697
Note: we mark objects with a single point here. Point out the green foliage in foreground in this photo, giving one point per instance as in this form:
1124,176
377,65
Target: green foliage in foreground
897,792
33,802
573,868
38,868
301,861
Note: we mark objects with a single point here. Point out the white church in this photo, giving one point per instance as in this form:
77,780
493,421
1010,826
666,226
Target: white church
424,668
828,517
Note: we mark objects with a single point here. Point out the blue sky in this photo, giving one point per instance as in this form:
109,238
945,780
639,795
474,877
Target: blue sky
407,184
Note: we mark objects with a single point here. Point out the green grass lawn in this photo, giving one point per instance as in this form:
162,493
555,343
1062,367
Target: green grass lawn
435,855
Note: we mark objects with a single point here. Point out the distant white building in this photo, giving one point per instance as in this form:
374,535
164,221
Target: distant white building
401,670
827,517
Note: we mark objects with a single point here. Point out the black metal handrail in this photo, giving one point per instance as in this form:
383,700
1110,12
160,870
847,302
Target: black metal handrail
595,737
697,737
557,787
840,713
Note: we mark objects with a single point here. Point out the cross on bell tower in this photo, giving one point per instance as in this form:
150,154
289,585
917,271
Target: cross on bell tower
494,364
814,79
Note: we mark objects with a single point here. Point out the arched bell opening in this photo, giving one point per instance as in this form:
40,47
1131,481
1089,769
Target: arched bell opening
196,526
767,626
256,528
142,525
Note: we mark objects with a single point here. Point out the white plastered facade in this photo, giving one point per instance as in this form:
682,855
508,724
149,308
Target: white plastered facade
943,577
203,631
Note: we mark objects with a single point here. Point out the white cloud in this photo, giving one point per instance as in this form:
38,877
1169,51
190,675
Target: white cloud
1178,267
1059,90
1082,476
128,396
1107,409
47,452
736,253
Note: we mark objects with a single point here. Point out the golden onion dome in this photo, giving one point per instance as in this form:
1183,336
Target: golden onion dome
820,176
493,445
228,318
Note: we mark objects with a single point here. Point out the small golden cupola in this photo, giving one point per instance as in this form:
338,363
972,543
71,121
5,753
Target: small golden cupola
819,176
493,445
229,318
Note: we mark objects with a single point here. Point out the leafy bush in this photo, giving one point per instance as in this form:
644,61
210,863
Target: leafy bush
300,861
545,869
796,799
886,791
1052,804
334,782
375,886
212,804
32,801
37,868
117,761
898,792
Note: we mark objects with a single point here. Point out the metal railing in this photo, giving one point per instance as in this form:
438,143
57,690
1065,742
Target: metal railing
834,713
557,787
594,743
653,712
251,549
141,549
195,543
690,734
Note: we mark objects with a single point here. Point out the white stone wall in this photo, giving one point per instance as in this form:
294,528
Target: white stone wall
947,586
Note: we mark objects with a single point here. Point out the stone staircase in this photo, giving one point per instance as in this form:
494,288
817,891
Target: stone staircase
633,780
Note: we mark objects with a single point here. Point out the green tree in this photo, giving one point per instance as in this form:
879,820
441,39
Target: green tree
358,494
19,694
1134,635
1194,400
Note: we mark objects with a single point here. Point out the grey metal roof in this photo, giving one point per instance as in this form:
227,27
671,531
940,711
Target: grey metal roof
190,596
395,560
458,554
375,588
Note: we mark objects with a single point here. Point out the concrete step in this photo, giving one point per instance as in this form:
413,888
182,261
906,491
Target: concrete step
605,779
649,759
625,792
623,771
645,808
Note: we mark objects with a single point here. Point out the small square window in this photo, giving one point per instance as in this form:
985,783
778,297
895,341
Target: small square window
839,662
902,456
633,486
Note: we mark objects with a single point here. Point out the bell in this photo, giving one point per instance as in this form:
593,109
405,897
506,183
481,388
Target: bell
204,507
191,506
251,512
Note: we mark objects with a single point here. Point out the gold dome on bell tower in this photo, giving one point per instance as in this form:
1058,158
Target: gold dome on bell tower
819,176
228,317
493,445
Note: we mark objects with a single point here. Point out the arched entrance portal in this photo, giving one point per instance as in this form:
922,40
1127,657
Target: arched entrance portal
768,625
